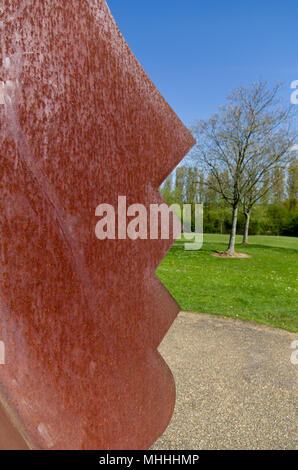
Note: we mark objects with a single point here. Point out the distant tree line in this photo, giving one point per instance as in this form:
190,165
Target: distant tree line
275,212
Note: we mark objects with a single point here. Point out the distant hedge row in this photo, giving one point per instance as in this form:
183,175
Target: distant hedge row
265,220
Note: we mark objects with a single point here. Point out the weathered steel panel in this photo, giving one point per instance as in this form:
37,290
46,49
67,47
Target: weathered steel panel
81,319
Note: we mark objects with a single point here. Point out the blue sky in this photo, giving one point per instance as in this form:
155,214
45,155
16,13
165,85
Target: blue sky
197,51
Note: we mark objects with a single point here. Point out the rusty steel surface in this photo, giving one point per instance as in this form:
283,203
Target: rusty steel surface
81,319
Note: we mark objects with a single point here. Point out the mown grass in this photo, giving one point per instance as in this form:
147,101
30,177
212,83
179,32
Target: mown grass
262,289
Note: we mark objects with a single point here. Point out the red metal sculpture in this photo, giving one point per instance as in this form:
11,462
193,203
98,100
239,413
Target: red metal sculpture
81,319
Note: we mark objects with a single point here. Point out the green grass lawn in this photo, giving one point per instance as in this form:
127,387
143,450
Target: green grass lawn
262,288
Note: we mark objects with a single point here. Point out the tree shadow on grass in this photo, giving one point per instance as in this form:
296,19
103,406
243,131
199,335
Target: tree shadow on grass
258,246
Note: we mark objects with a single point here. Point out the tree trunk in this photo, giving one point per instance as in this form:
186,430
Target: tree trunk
231,248
245,234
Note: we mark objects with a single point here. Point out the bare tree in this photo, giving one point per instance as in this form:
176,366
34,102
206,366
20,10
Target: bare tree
256,193
248,200
263,181
246,139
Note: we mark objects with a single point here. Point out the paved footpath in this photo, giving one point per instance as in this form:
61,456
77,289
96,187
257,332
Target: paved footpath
236,385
